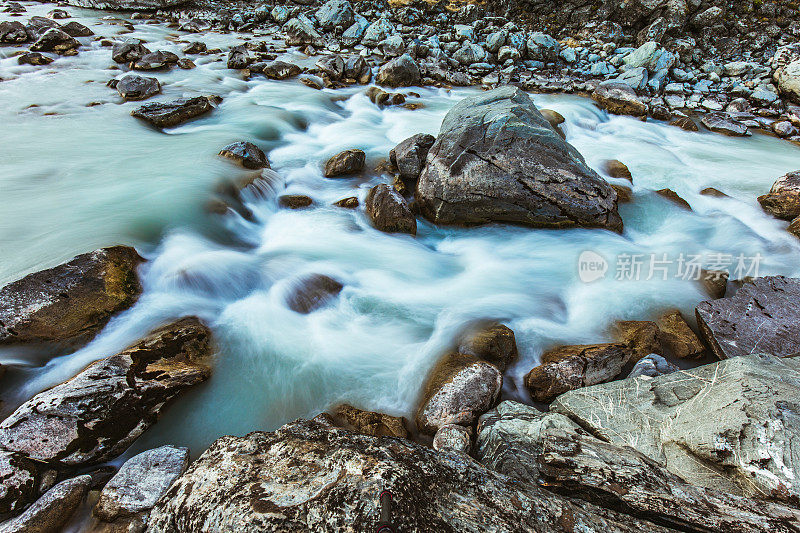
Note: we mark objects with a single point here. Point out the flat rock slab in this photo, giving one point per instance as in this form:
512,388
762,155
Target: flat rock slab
731,426
171,114
762,316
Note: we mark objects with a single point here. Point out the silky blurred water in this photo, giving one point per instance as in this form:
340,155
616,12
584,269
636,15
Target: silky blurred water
76,176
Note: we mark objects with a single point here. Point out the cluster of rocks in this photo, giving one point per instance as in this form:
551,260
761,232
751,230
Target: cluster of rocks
43,34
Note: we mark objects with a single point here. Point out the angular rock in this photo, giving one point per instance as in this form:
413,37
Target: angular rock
731,426
69,304
127,51
308,476
20,484
238,58
331,65
783,200
714,282
459,389
573,367
246,154
494,343
677,337
761,317
52,511
685,123
335,13
55,40
498,160
125,5
356,68
725,124
454,438
640,336
76,29
300,32
171,114
13,32
652,365
155,61
409,156
345,163
96,415
370,423
401,71
34,58
377,32
388,211
37,26
281,70
617,169
619,98
673,197
133,87
313,292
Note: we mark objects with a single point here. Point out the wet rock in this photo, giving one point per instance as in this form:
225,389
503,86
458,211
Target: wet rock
459,389
783,200
299,32
307,477
677,337
714,282
139,483
52,511
313,292
69,304
380,97
725,124
713,425
498,160
370,423
685,123
155,61
624,194
125,5
13,32
76,29
389,212
673,197
281,70
331,65
128,51
294,201
133,87
186,63
351,202
619,98
345,163
37,26
20,484
794,227
171,114
409,156
716,193
34,58
246,154
494,343
652,365
96,415
617,169
238,58
454,438
356,68
567,368
335,13
760,317
401,71
195,47
553,117
640,336
55,40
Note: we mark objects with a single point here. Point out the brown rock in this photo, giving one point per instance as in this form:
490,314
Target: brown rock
641,336
246,154
495,344
389,211
617,169
716,193
783,200
294,201
619,98
714,282
370,423
685,123
677,337
351,202
794,227
673,197
345,163
624,194
312,292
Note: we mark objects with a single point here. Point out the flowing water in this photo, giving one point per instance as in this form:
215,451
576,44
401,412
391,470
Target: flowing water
77,173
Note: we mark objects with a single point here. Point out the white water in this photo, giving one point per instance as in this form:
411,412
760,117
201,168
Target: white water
93,176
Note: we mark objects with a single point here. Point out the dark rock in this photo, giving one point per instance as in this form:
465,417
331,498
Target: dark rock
55,40
246,154
345,163
335,13
619,98
401,71
196,47
725,124
128,51
96,415
685,123
624,194
498,160
281,70
760,318
34,58
714,282
37,26
370,423
389,212
313,292
69,304
133,87
332,66
716,193
673,197
20,484
356,68
13,32
186,63
171,114
155,61
299,33
125,5
51,512
76,29
494,343
380,97
617,169
454,438
409,156
567,368
294,201
783,200
239,58
459,389
794,227
350,202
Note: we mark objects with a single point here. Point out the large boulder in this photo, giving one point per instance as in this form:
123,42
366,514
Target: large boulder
619,98
69,304
388,211
96,415
498,160
280,70
783,199
335,13
761,317
401,71
730,426
409,156
308,476
51,512
171,114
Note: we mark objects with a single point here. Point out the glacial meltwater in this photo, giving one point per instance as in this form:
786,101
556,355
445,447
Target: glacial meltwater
77,172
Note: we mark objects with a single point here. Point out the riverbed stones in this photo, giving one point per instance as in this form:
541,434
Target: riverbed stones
640,336
76,29
345,163
96,415
453,437
370,422
685,123
245,154
677,337
157,60
56,41
133,87
401,71
125,5
128,51
619,98
725,124
335,13
144,478
301,32
762,316
308,476
388,211
51,512
494,343
34,58
730,426
281,70
409,156
294,201
567,368
497,159
13,32
459,389
69,304
313,292
788,78
783,199
171,114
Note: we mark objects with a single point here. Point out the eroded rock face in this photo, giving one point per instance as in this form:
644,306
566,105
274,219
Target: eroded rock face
459,389
783,199
246,154
731,425
96,415
52,511
409,156
370,423
761,317
498,160
69,304
345,163
389,212
171,114
308,476
619,98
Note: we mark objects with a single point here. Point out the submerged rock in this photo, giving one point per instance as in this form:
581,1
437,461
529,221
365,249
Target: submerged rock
34,58
96,415
294,201
246,154
171,114
498,160
125,5
133,87
345,163
409,156
389,212
619,98
761,317
69,304
370,423
53,510
313,292
783,199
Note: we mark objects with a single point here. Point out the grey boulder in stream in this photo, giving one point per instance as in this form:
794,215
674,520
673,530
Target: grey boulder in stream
497,159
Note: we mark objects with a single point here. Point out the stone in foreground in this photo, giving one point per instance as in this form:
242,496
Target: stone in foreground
401,71
494,343
69,304
310,477
53,510
761,317
345,163
619,98
389,212
730,426
171,114
498,160
370,422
